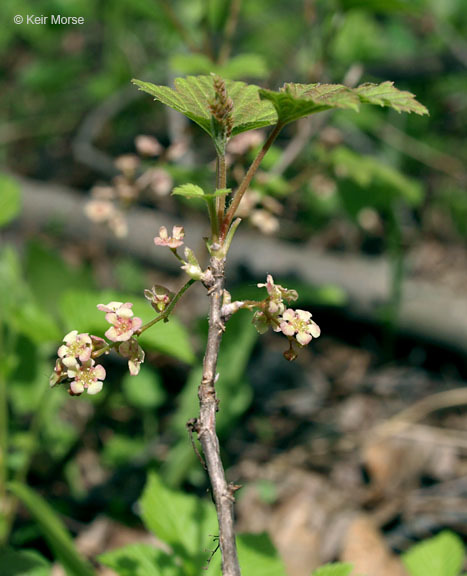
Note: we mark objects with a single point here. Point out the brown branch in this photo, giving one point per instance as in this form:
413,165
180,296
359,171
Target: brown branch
206,424
247,179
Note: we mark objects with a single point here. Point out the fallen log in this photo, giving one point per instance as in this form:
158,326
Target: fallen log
430,312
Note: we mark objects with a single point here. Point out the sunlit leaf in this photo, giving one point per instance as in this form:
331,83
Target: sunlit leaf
337,569
386,94
181,520
442,555
194,191
295,101
192,96
258,557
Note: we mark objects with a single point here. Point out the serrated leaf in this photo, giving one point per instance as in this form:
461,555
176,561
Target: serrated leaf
53,530
442,555
140,560
181,520
337,569
23,563
295,101
193,94
10,199
258,557
386,94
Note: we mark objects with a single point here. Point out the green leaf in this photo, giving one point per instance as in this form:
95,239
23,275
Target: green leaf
387,95
442,555
23,563
337,569
144,392
258,557
79,312
10,199
140,560
192,96
194,191
53,530
181,520
295,101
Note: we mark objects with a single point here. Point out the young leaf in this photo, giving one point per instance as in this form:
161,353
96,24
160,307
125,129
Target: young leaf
193,95
53,530
140,560
23,563
337,569
386,94
442,555
10,199
194,191
295,101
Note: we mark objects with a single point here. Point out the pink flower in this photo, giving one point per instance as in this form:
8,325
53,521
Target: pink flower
124,325
298,323
135,354
76,347
173,241
87,377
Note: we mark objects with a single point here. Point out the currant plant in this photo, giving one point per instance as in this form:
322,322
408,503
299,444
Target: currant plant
223,109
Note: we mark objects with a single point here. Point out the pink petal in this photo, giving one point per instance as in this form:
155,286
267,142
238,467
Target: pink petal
95,387
99,372
303,338
76,387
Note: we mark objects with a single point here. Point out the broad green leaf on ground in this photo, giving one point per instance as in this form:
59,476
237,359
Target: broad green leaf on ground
23,563
53,530
193,94
442,555
183,521
337,569
145,392
258,557
79,312
10,199
295,101
194,191
140,560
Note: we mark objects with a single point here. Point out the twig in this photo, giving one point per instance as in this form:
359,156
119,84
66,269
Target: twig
247,179
223,493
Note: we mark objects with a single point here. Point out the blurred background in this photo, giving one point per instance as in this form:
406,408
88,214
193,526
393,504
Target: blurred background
357,446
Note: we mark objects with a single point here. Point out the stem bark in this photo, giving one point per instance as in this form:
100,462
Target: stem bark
223,492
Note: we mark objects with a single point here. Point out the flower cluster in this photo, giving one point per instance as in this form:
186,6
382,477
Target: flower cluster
297,325
76,362
76,365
